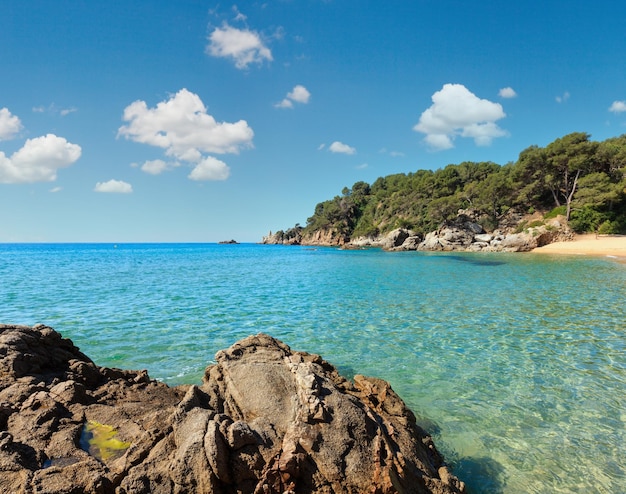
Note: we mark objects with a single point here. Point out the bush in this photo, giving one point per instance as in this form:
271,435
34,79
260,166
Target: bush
586,220
404,223
559,211
488,223
521,227
608,228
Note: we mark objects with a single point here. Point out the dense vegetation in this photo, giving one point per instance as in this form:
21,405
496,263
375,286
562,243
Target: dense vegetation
574,176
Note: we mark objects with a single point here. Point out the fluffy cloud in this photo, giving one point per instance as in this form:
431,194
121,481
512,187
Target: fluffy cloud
182,126
114,186
38,160
242,45
10,125
156,167
210,168
618,107
299,94
507,92
456,111
340,147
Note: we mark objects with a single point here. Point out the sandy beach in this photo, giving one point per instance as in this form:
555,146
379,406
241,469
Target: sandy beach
588,245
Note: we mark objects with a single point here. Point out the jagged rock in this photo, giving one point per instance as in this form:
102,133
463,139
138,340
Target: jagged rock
266,419
518,242
293,236
395,238
325,237
483,237
431,242
410,243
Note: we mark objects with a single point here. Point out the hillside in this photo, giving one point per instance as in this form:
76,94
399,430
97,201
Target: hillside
580,179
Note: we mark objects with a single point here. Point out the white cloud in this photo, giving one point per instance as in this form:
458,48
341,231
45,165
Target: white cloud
456,111
67,111
242,45
340,147
56,189
182,126
299,94
38,160
507,92
114,186
10,125
210,168
53,109
238,15
618,107
286,103
563,98
156,167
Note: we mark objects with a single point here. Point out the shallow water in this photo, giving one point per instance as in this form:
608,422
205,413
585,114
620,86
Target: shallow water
516,363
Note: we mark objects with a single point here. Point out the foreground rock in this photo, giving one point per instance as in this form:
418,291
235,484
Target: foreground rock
265,420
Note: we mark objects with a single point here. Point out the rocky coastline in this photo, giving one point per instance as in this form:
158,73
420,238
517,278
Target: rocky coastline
516,233
266,419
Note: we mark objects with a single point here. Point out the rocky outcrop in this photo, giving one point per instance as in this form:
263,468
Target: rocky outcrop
266,419
398,239
515,233
326,238
293,236
464,234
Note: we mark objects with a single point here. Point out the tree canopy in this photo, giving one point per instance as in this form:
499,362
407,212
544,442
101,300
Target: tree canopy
584,179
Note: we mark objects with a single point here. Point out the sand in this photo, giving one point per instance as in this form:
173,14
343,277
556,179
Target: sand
588,245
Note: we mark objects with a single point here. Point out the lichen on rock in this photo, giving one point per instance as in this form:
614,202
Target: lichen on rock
99,440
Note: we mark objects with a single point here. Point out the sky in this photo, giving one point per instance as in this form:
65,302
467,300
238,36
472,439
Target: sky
197,121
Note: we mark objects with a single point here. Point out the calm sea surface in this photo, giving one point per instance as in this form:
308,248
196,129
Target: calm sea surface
515,363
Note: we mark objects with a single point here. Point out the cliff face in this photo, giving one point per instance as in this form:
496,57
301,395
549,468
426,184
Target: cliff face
266,419
296,236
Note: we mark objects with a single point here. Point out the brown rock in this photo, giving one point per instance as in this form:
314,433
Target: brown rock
266,419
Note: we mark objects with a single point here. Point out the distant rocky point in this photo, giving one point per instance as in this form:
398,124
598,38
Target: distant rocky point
228,242
266,419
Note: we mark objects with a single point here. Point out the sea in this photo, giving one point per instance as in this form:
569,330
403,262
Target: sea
514,363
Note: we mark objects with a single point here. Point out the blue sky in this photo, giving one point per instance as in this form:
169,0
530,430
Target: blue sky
188,120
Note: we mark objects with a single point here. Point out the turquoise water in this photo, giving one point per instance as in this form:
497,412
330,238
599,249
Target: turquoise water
516,363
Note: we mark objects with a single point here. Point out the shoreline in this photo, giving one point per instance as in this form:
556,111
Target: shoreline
588,245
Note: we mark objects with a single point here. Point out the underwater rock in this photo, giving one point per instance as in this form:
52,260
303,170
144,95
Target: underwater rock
266,419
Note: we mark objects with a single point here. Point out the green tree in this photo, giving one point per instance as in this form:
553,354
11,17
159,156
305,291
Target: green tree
529,176
493,193
596,190
567,158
